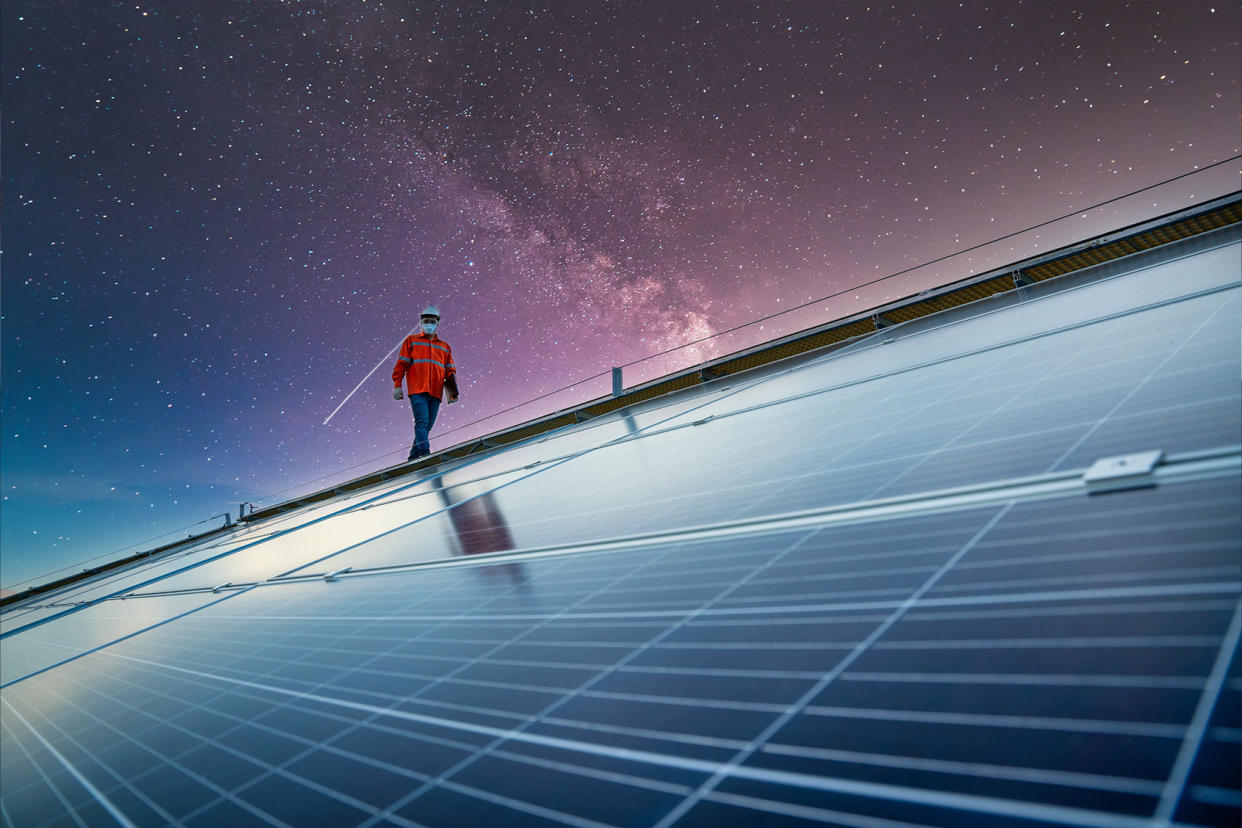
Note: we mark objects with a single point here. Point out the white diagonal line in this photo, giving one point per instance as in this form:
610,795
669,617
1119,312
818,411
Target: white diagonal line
1198,724
82,780
732,767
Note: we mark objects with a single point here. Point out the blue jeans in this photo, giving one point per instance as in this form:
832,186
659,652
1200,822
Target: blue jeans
425,409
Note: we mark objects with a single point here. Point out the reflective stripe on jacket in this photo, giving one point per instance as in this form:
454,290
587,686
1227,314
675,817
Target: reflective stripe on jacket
426,365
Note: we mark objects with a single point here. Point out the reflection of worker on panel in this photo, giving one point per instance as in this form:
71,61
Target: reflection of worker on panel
479,527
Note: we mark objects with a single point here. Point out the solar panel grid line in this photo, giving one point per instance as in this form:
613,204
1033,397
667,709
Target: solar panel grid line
552,645
502,644
1195,732
520,805
1104,555
1093,594
823,682
1149,556
551,709
582,770
272,769
1090,781
126,785
43,779
962,435
172,761
325,746
1072,725
631,539
94,792
806,812
673,738
1151,641
1060,679
1099,555
452,724
1077,611
1154,518
1228,302
981,804
156,625
1112,578
778,489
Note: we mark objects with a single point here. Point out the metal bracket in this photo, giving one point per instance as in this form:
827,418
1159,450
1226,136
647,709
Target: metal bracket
331,576
1020,279
1125,471
582,416
881,321
222,586
709,374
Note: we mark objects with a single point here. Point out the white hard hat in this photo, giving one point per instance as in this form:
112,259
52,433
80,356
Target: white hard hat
430,310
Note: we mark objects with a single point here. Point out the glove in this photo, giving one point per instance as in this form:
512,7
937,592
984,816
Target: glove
396,393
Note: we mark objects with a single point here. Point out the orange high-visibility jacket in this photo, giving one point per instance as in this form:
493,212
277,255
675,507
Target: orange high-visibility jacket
426,365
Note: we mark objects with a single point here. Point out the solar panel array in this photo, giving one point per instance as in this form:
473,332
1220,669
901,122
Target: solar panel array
864,589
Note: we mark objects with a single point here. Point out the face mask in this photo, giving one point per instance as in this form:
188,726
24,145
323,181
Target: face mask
429,328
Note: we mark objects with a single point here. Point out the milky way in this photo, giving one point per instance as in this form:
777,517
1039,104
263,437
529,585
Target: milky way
218,217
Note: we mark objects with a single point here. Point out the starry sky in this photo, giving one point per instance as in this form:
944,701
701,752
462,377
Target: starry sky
219,217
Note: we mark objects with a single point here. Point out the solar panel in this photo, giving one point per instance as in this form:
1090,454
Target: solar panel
867,588
979,663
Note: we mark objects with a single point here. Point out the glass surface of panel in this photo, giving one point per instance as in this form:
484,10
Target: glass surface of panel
959,666
77,632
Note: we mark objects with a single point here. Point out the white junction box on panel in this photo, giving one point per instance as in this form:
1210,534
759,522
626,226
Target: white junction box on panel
1125,471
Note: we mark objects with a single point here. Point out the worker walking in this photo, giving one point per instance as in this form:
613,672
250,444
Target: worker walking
426,365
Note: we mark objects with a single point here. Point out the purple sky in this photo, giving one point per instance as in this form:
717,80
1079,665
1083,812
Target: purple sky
217,218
